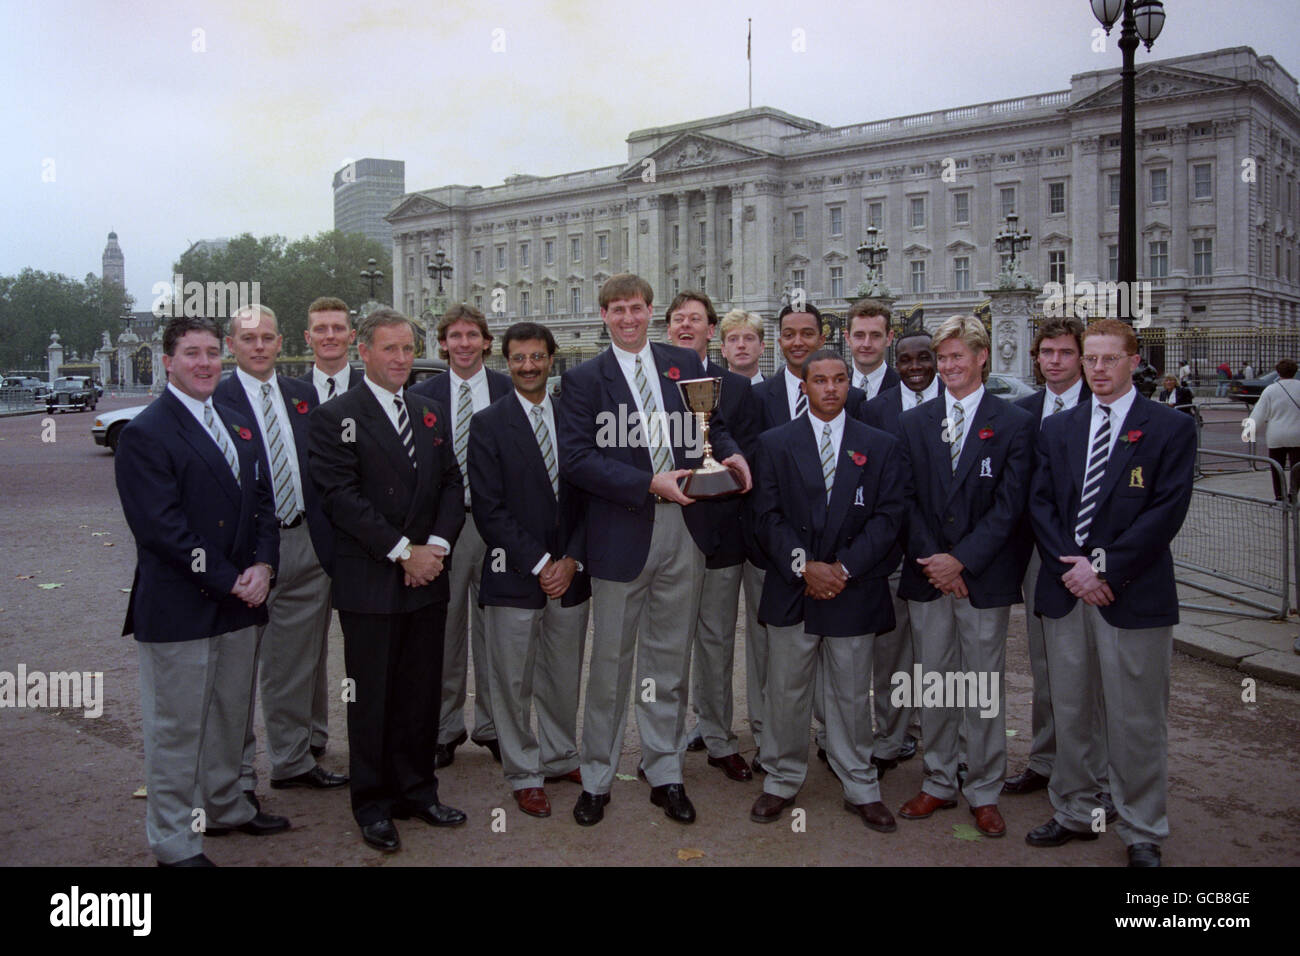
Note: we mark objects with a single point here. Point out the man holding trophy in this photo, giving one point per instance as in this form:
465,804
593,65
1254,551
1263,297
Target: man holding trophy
645,555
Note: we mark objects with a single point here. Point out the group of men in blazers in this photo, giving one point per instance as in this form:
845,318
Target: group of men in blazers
896,514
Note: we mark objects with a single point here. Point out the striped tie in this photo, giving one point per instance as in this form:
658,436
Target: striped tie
954,447
464,412
286,505
219,436
1058,404
919,396
548,451
330,382
404,429
801,403
1092,478
659,452
828,460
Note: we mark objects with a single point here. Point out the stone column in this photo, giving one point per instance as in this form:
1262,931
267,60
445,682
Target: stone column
683,242
1180,259
159,381
1011,311
712,260
738,243
54,355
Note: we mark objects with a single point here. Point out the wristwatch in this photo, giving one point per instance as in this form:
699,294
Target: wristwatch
405,555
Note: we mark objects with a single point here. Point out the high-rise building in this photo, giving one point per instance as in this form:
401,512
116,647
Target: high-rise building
364,192
114,263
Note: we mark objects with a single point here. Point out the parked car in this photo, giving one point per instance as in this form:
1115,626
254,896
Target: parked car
74,393
107,428
1007,387
1248,390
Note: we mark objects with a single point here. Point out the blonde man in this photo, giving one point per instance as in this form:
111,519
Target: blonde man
741,335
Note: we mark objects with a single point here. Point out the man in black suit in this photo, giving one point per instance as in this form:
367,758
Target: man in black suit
692,322
199,505
329,332
534,591
626,439
781,399
966,468
389,483
291,644
828,507
1112,484
895,652
464,341
869,337
1057,347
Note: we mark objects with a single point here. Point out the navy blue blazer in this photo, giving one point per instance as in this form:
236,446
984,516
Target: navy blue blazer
972,514
179,495
615,478
516,511
373,496
299,400
858,528
1033,404
1144,496
774,403
890,380
740,411
438,388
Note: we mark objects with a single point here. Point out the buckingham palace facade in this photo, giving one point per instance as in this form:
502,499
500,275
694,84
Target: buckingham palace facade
751,203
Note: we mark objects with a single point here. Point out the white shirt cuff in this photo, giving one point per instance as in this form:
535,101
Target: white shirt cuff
440,542
845,570
537,569
398,548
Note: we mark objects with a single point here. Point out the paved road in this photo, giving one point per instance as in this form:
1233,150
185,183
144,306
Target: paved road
67,796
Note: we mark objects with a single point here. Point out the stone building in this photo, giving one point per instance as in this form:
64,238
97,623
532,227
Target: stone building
749,203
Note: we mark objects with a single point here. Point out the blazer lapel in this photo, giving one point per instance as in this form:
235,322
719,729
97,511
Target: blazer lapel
973,447
205,446
940,450
1119,459
847,476
1076,443
618,390
379,425
525,440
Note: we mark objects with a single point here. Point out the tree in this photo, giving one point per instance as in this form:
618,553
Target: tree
34,303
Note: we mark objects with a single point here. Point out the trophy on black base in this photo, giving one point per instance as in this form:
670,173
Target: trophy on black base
711,479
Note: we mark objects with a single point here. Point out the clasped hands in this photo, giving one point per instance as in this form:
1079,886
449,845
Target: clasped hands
1083,582
944,573
424,565
253,585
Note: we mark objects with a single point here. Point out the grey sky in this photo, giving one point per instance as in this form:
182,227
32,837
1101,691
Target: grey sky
168,145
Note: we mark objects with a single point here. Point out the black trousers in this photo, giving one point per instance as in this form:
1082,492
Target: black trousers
1288,457
396,663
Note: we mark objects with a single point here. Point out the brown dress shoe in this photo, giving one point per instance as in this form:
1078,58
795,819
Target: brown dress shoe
874,815
532,800
734,766
923,805
768,807
989,821
573,776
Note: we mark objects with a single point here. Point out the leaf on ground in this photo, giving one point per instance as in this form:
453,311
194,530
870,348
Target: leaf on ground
1012,733
625,776
689,853
142,792
25,577
49,587
125,590
964,831
99,534
107,544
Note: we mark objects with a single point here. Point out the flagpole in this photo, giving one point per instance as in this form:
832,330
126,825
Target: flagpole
749,56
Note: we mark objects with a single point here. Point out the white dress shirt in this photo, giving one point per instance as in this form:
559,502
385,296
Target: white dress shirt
837,433
195,408
548,416
930,391
870,382
758,377
1070,397
627,362
969,406
342,379
385,399
479,396
253,389
793,385
1119,410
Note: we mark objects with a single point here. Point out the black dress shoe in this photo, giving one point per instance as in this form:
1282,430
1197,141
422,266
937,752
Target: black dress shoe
263,824
672,797
1052,833
883,764
435,814
756,766
821,755
1144,854
197,859
318,750
252,798
382,835
445,754
590,808
1027,781
962,770
908,749
493,747
1108,805
317,778
696,744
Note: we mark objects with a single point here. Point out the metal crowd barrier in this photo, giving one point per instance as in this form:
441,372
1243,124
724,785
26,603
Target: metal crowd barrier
1240,539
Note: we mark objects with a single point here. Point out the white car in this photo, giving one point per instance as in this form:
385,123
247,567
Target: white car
108,426
1007,387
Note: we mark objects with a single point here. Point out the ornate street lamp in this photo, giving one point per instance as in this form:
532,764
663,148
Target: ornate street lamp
372,276
872,254
1142,19
1012,240
439,268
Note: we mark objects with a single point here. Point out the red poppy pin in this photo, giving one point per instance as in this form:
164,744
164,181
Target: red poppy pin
858,458
245,434
673,373
430,419
301,406
1131,437
986,433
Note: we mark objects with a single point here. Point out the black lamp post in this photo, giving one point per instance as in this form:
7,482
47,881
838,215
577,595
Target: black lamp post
439,268
1012,240
372,276
1142,19
872,254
